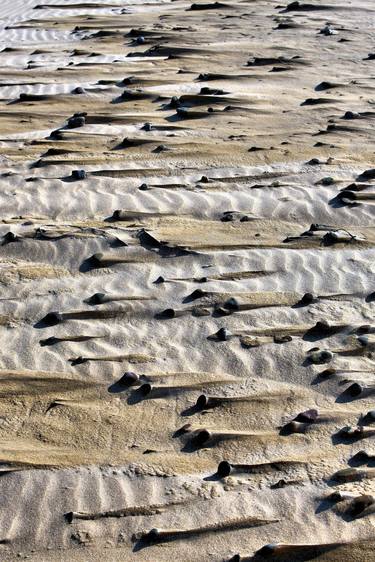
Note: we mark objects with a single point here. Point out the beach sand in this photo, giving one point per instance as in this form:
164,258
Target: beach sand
187,195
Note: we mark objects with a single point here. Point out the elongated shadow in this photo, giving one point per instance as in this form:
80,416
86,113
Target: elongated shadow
342,439
191,411
318,333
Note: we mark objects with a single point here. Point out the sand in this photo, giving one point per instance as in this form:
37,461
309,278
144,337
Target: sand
228,158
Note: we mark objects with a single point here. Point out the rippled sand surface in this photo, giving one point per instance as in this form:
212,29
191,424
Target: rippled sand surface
187,277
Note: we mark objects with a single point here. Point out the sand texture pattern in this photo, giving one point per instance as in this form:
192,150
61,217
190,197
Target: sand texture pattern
187,242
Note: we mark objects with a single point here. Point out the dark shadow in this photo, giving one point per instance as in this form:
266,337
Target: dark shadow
112,218
324,505
9,237
151,539
338,203
89,264
340,438
139,394
346,397
184,430
166,314
49,341
128,379
115,242
131,143
194,444
51,319
217,339
78,361
135,397
174,118
69,179
318,101
186,115
348,516
308,553
191,411
287,430
197,294
219,312
96,298
366,419
323,376
324,86
307,362
150,243
212,478
117,388
141,544
301,304
366,176
360,459
320,331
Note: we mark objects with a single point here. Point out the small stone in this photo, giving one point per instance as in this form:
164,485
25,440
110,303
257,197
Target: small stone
76,121
323,356
223,334
221,311
351,115
282,339
308,298
79,174
97,298
145,389
224,469
327,181
197,294
53,318
161,148
9,237
363,340
232,304
309,416
168,313
129,378
328,30
354,389
201,312
175,102
248,342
